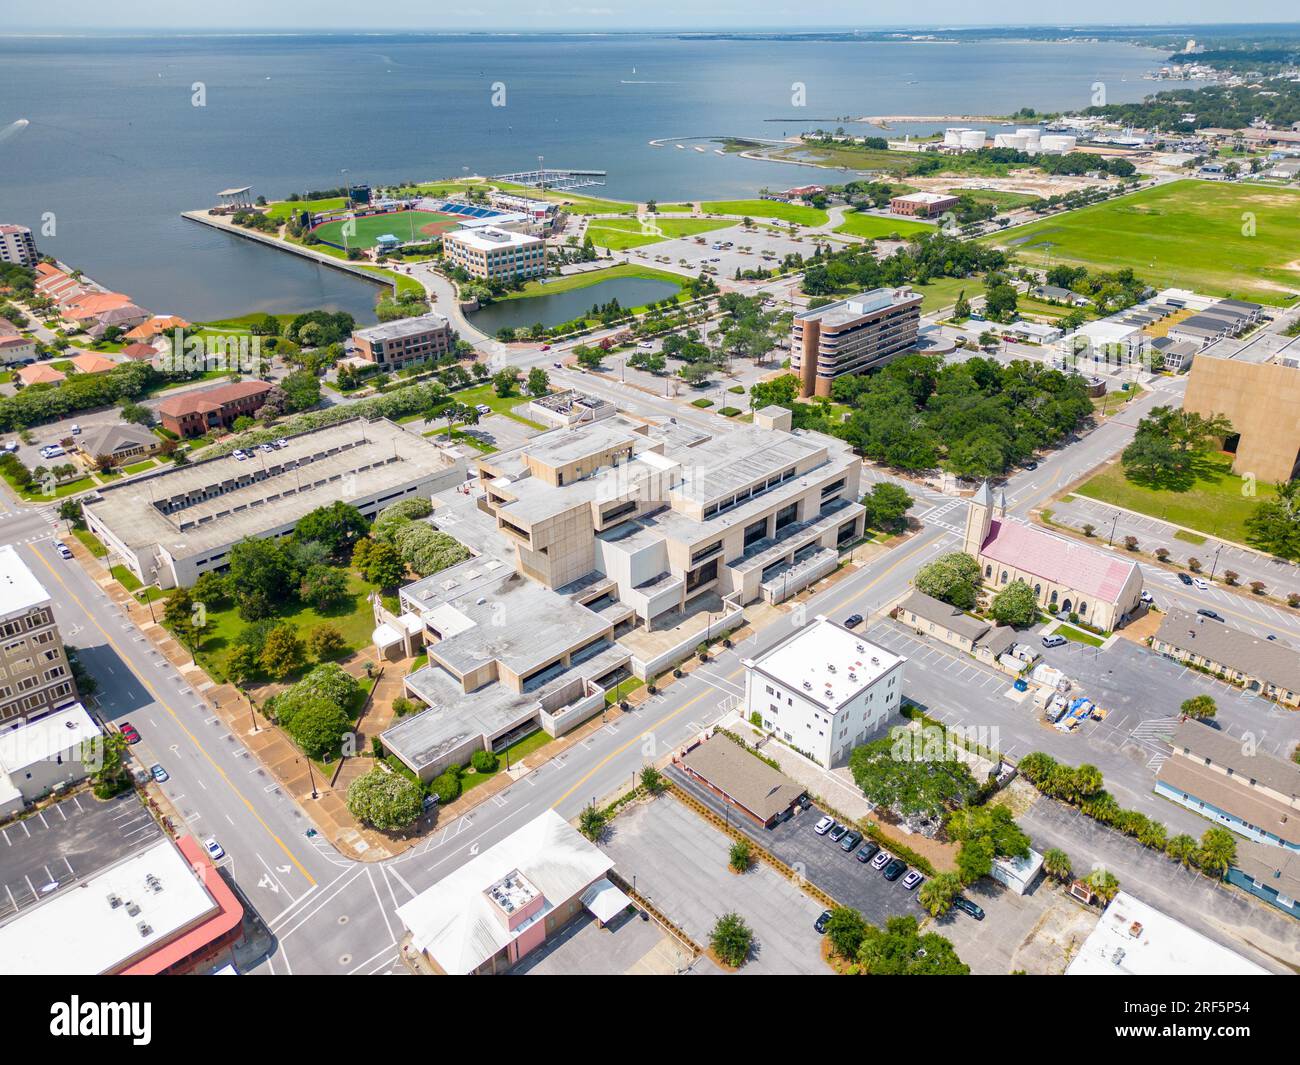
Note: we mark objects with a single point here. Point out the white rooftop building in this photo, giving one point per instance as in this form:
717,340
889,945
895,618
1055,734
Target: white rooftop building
1134,939
824,689
489,913
42,754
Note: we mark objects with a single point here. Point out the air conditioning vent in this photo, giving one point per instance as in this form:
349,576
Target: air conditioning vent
144,928
114,900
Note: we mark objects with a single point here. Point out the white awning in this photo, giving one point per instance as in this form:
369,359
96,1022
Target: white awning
604,900
385,636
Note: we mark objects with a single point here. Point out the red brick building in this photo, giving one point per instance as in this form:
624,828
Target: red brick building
194,413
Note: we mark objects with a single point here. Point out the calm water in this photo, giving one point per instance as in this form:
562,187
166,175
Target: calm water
115,150
565,306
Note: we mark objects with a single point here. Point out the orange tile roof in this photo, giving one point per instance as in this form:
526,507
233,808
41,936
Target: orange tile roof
41,374
154,326
93,303
140,352
89,362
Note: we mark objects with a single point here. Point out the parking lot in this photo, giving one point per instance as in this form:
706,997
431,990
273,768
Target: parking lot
627,945
67,841
678,861
822,861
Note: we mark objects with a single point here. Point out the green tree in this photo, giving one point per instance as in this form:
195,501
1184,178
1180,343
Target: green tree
326,641
539,383
1056,864
109,756
446,786
1217,852
506,381
282,652
741,856
1104,883
384,566
887,505
385,800
259,577
318,727
323,587
338,526
591,823
845,928
953,578
910,787
731,939
652,780
1200,707
1015,605
939,892
899,949
1182,849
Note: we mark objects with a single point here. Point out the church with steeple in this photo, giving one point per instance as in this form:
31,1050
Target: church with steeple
1101,587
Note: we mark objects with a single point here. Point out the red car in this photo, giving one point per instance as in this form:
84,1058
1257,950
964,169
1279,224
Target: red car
128,730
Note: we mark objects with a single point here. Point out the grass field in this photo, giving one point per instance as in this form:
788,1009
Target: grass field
785,212
1001,200
405,225
593,277
1212,237
622,233
873,226
285,208
1214,504
943,291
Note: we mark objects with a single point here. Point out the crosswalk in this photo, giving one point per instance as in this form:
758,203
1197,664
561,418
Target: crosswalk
1152,735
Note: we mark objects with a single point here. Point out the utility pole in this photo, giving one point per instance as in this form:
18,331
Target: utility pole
1112,529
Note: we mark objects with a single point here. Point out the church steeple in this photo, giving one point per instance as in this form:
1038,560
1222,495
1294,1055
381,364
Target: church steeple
979,519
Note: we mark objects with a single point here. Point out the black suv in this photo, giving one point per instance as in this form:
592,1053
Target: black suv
896,868
961,902
869,850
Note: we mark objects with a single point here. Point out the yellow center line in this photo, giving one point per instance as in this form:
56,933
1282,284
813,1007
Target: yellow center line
691,702
176,717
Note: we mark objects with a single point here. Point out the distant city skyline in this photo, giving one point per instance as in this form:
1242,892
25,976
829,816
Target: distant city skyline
305,16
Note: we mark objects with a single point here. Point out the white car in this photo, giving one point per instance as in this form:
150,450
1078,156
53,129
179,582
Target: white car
282,442
483,408
63,550
239,454
76,429
824,825
1200,583
215,851
1147,597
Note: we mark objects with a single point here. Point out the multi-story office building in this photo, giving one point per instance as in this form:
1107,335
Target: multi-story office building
824,689
495,254
392,345
757,513
17,245
922,204
35,677
852,336
194,413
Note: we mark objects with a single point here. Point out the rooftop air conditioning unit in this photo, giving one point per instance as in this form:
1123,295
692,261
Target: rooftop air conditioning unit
114,900
852,675
807,685
831,667
133,909
875,661
860,647
144,928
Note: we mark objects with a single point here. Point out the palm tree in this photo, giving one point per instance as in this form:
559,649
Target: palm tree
1199,707
591,823
1217,852
1182,849
1056,864
1104,883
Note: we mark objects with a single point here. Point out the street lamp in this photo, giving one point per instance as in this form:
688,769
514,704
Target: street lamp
1112,529
1215,563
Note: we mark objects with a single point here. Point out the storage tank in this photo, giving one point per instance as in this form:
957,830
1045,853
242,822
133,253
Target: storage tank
1011,140
952,136
1058,143
1032,135
972,139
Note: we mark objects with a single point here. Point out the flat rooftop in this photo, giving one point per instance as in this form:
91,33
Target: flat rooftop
827,662
99,924
45,738
348,461
20,591
845,311
1134,939
737,460
490,239
404,327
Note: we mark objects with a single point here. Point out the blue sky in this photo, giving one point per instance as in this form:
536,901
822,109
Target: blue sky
71,16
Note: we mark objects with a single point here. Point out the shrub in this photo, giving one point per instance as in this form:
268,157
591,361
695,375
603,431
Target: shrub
402,706
731,939
446,786
484,761
317,726
741,856
326,641
385,800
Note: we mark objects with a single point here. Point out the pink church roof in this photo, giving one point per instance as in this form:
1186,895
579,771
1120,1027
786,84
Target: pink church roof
1057,560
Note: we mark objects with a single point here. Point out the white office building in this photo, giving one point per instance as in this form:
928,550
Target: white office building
17,245
824,690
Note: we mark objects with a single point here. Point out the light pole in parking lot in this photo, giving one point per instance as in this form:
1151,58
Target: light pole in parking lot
1113,524
1215,562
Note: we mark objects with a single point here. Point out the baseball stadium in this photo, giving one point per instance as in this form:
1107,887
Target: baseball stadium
420,222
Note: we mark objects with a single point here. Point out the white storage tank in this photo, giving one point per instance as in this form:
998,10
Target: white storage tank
1033,136
1058,143
972,139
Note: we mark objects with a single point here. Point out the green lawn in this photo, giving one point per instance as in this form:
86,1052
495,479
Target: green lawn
622,233
1001,200
1214,504
405,225
1219,239
850,157
943,291
353,618
92,542
125,578
1078,635
139,467
675,208
872,226
592,277
785,212
284,208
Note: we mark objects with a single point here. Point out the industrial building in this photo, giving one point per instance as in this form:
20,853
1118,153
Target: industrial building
35,677
170,526
392,345
852,336
824,689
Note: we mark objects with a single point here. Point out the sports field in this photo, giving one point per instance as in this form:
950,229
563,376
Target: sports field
404,225
1216,238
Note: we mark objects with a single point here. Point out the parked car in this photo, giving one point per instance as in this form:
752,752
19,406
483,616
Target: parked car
1053,640
128,730
895,869
483,408
76,429
1206,613
961,902
1031,465
820,923
824,825
881,860
1201,583
853,621
850,841
159,773
282,442
214,849
912,879
837,833
64,551
1147,597
239,454
1185,579
869,850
